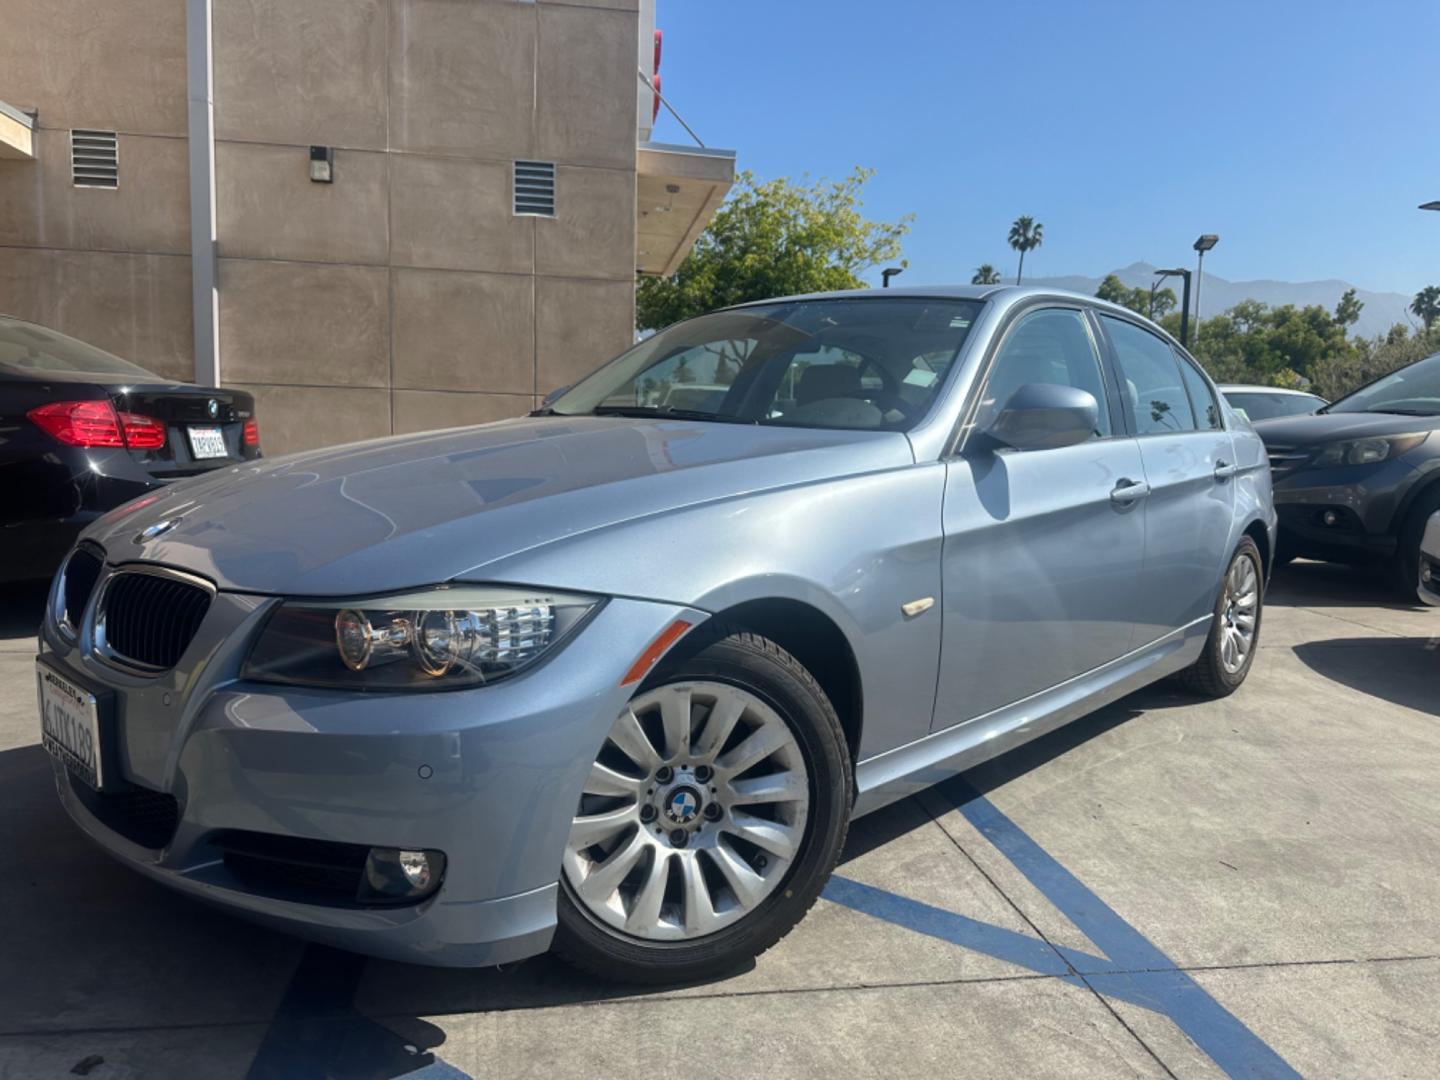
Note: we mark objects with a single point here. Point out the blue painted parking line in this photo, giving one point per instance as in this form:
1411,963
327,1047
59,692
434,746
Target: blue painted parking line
1132,968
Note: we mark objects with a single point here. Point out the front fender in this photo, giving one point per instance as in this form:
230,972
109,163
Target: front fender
854,549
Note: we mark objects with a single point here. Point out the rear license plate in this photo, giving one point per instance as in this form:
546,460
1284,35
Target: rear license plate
70,725
206,442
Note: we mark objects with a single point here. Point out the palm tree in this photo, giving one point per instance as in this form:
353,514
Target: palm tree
1426,305
1025,235
985,274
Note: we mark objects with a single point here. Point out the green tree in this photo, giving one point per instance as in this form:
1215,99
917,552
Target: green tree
1426,305
985,274
1141,301
1026,234
1347,311
773,239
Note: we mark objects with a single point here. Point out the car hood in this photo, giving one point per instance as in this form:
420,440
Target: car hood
1334,427
420,509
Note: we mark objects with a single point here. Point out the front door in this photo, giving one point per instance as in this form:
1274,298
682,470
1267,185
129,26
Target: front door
1043,550
1189,462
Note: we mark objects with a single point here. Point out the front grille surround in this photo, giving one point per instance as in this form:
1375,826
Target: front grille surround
78,578
1286,459
147,616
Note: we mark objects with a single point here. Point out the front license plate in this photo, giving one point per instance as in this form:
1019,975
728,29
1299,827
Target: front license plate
206,442
70,724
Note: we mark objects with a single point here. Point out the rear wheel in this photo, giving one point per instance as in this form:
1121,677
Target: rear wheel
711,819
1235,629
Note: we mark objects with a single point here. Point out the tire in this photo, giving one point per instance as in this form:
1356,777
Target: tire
1214,675
724,669
1403,569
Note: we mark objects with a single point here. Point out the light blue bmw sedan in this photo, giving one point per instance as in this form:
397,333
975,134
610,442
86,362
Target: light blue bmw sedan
615,677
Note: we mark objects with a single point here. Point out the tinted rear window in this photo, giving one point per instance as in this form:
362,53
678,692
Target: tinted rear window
27,349
1258,405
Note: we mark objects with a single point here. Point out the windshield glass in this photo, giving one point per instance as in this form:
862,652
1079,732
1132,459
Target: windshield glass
862,363
1259,405
29,349
1413,390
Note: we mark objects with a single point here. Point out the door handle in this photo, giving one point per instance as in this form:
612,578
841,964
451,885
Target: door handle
1224,470
1129,490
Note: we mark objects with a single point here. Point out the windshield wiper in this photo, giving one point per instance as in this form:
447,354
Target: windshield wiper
668,412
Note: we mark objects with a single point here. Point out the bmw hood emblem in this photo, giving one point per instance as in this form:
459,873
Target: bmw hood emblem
150,532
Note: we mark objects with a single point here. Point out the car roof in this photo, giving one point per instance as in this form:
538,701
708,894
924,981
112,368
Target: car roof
1256,388
1008,293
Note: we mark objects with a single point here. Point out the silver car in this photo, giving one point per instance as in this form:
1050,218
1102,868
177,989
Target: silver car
616,676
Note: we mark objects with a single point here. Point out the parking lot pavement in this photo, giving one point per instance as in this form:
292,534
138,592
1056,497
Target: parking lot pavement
1167,887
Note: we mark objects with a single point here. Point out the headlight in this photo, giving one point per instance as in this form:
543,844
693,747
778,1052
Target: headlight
450,636
1369,451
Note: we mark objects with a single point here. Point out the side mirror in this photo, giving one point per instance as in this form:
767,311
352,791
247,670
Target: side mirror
549,399
1045,416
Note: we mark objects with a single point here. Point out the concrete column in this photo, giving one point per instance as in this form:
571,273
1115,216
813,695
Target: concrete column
201,101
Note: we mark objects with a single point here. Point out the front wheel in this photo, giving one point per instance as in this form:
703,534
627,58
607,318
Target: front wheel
712,817
1235,629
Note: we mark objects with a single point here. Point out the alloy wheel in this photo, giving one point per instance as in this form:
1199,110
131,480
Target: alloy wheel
692,813
1239,613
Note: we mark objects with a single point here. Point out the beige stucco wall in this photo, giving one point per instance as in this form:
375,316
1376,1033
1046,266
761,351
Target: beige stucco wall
408,281
112,267
406,294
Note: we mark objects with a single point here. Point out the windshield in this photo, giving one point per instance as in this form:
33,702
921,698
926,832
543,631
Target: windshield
29,349
1259,405
864,363
1411,391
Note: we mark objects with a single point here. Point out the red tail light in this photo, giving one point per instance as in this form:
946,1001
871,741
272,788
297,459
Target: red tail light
250,434
96,424
142,432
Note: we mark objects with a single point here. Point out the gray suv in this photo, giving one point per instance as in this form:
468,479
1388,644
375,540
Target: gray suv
616,676
1357,481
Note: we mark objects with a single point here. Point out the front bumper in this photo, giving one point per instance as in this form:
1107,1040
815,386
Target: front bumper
1428,587
489,776
1361,503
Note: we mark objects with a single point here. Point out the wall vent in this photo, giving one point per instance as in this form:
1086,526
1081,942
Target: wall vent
94,159
535,188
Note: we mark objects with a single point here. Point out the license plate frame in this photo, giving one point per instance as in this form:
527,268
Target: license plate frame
72,724
207,442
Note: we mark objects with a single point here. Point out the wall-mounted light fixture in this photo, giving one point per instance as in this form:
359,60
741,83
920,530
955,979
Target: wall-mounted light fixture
322,164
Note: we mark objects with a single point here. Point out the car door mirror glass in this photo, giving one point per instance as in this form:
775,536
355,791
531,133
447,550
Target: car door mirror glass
1045,416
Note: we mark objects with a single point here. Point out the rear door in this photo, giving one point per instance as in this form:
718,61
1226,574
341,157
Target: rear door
1043,548
1189,464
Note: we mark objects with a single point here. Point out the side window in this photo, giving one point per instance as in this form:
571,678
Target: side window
1150,380
1202,398
1048,346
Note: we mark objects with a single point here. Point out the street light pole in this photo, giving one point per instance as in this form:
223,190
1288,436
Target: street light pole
1184,274
1202,245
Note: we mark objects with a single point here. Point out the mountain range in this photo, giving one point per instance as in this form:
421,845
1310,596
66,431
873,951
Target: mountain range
1381,310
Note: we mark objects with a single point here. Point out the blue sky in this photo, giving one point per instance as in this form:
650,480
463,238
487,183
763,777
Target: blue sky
1302,133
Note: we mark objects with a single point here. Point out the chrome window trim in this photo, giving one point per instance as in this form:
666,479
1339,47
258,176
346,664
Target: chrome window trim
100,647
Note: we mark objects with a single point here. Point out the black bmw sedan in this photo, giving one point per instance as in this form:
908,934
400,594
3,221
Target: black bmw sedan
82,431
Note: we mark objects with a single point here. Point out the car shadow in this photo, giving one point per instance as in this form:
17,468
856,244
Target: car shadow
21,607
326,1012
1320,584
1402,671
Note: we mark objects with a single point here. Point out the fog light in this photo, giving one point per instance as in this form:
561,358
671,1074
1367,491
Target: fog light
1426,573
1330,517
401,875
